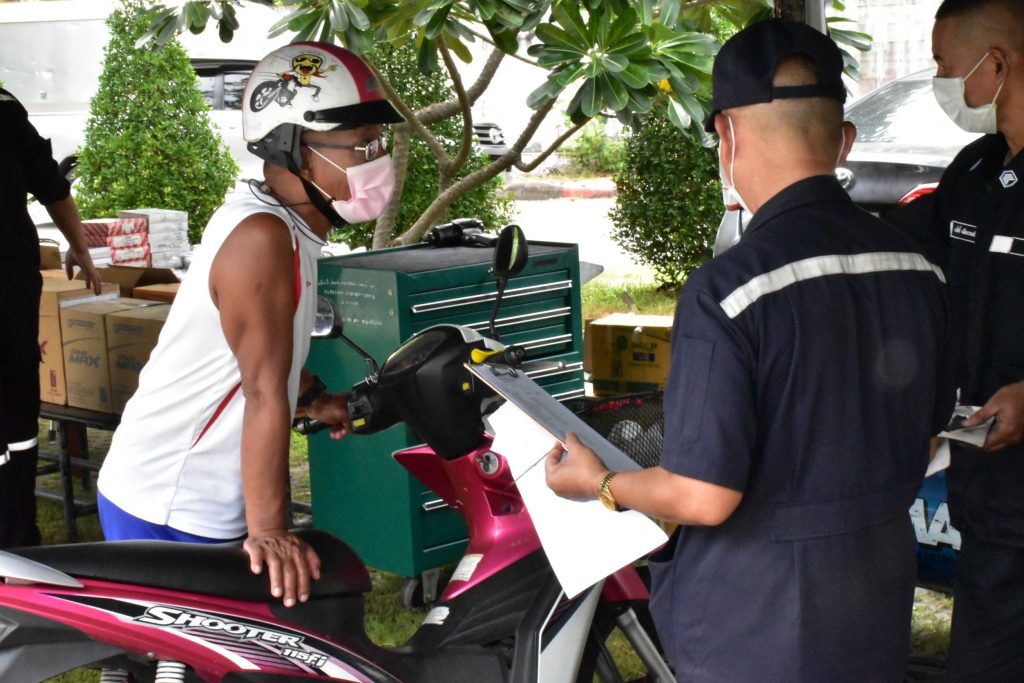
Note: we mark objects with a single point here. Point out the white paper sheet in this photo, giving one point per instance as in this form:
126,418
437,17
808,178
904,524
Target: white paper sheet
974,436
584,541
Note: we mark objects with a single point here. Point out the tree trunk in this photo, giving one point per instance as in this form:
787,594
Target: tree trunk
385,226
792,10
808,11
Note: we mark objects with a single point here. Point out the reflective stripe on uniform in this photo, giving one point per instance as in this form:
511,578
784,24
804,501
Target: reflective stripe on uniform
1004,244
15,447
819,266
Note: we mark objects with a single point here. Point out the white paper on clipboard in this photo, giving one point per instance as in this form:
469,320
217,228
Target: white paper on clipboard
583,540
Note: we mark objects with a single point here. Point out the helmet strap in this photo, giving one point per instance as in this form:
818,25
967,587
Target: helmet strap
315,197
321,204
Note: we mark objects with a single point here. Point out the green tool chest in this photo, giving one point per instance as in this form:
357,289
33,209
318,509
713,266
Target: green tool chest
359,492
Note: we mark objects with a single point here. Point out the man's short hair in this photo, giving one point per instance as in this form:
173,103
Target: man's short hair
1005,17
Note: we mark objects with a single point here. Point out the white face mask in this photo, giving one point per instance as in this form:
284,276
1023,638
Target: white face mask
730,195
370,186
949,93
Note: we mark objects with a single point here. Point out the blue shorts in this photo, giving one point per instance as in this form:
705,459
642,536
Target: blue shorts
118,525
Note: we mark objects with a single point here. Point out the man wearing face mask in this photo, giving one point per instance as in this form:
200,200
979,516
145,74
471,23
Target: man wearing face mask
803,389
201,453
973,226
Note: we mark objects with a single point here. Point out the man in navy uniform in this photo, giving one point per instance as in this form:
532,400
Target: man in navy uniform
973,226
26,166
804,386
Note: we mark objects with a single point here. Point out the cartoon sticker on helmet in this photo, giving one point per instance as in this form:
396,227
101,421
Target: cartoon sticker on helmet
304,68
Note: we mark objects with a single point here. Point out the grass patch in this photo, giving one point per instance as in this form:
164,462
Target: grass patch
601,299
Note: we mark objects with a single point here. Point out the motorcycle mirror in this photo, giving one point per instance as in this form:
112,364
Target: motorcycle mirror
510,252
328,324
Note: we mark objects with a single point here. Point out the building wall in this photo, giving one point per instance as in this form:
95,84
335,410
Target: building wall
902,38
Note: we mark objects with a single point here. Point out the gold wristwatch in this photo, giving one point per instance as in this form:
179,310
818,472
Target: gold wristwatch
604,493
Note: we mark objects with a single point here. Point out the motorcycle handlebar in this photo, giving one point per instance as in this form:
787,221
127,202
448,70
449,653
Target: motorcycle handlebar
308,425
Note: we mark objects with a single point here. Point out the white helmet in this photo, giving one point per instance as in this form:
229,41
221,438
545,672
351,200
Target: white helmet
312,86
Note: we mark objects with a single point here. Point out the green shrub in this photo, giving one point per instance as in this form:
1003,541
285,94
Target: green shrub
486,202
148,141
591,152
669,202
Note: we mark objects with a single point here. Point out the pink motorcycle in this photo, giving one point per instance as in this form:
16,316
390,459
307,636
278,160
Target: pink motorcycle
171,612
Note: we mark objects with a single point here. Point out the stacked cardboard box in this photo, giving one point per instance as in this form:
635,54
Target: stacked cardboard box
96,230
626,353
59,292
131,337
166,238
128,278
84,342
159,292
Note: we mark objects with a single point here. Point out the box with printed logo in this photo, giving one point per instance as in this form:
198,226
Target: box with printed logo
131,337
628,353
84,336
57,290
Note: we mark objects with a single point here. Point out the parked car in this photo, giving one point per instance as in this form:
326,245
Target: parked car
904,143
490,138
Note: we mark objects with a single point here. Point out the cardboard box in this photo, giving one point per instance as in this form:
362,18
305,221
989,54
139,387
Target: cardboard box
49,257
96,231
84,343
628,353
165,292
130,277
57,291
131,336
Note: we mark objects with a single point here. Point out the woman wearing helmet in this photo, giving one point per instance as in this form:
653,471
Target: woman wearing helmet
201,453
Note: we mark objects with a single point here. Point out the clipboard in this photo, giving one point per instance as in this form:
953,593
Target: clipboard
517,388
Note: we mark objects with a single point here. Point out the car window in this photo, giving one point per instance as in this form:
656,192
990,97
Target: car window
905,112
234,88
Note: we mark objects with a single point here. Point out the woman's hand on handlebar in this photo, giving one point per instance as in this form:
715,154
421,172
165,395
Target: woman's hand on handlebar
331,409
291,563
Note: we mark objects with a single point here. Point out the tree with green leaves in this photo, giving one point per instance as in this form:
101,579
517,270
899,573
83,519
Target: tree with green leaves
620,58
148,140
668,205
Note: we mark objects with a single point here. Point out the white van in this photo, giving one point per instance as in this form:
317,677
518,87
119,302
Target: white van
51,58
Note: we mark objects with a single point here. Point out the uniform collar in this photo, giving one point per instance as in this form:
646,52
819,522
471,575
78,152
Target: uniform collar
819,188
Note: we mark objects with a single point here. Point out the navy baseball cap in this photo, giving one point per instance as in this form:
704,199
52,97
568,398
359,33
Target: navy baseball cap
746,64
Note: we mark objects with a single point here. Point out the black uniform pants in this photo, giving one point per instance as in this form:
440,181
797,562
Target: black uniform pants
18,499
19,405
987,634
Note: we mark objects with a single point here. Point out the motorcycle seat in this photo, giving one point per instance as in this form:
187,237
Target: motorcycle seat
212,569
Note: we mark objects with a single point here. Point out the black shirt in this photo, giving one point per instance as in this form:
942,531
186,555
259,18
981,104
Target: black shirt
26,167
805,374
973,226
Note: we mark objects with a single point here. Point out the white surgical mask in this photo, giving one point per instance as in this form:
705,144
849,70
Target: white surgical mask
730,195
949,93
370,186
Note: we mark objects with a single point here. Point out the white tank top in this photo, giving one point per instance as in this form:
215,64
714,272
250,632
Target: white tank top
175,458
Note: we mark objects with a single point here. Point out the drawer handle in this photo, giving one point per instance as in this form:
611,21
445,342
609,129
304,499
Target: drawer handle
484,298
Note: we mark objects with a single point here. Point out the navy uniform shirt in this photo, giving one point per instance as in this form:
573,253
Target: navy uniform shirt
973,226
805,374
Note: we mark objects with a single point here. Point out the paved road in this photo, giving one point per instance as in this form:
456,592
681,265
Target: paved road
585,222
